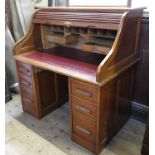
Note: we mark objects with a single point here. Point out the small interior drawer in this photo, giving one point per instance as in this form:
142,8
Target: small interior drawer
84,128
24,68
56,39
61,38
96,49
84,90
83,107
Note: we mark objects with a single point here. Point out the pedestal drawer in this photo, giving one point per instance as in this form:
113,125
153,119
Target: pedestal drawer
29,102
84,90
84,128
27,92
29,105
84,107
25,81
24,68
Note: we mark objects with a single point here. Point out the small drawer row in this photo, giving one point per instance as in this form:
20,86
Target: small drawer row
84,99
27,88
24,68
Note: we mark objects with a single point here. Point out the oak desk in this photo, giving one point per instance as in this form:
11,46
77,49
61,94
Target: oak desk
86,56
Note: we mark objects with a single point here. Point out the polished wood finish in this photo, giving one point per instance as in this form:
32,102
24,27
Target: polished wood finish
84,128
53,90
91,52
128,52
84,90
40,97
84,107
68,67
104,117
141,87
84,102
24,68
28,89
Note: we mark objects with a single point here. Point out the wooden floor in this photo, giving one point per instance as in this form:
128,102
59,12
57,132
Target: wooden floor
26,135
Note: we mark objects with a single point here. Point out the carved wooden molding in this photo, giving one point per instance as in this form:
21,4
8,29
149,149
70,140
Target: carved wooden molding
26,43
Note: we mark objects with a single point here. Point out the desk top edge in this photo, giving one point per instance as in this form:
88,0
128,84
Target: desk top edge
57,69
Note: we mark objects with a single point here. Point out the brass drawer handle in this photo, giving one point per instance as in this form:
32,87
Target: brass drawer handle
83,130
83,109
83,92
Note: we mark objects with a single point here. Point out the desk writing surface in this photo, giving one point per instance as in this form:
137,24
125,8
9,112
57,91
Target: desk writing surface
58,64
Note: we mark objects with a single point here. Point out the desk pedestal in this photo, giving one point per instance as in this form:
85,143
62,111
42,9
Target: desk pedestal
97,112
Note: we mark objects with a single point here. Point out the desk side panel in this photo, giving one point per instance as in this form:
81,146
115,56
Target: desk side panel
114,107
30,41
124,52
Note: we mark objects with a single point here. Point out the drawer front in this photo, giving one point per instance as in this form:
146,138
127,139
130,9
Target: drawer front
25,81
97,49
29,105
27,92
61,39
29,102
83,107
56,39
24,68
84,91
84,128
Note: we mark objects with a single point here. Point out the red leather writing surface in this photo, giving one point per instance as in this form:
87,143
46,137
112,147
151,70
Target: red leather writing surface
64,62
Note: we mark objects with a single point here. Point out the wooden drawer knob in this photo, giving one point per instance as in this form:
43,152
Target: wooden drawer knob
27,70
23,69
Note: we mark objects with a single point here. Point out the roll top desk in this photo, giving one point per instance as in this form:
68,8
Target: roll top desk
86,56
